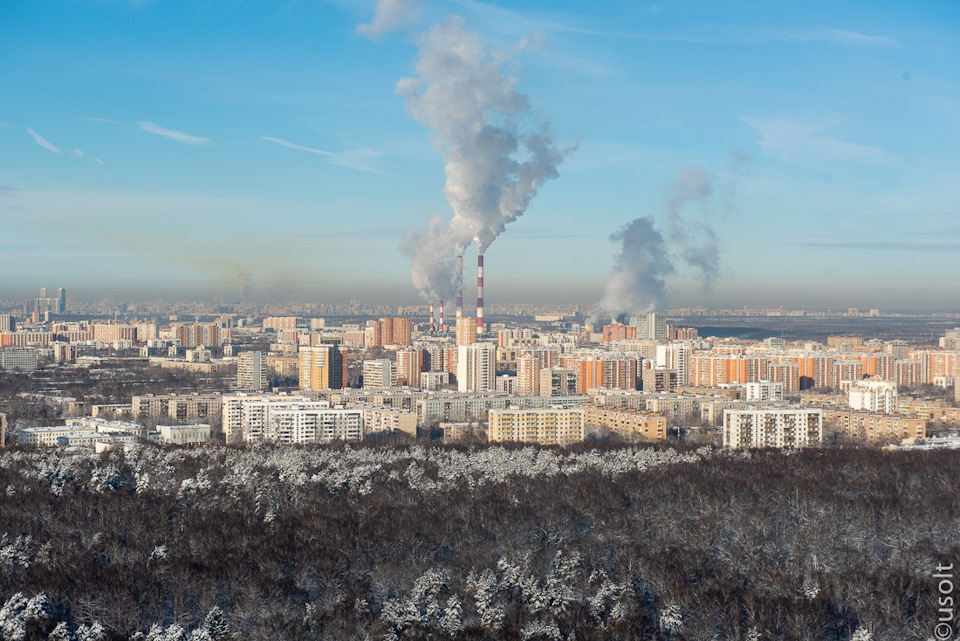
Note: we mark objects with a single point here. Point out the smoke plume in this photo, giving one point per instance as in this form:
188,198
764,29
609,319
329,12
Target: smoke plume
497,156
245,284
637,282
431,260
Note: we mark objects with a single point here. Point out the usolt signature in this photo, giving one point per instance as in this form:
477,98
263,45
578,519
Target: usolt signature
945,616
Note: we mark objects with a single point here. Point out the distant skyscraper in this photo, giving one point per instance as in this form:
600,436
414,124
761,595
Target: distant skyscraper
7,323
252,371
62,295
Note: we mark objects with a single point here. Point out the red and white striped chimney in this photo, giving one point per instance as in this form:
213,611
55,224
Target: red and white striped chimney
479,294
459,286
441,316
432,326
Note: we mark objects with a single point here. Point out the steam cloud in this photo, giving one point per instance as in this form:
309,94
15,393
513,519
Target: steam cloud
497,155
431,260
637,282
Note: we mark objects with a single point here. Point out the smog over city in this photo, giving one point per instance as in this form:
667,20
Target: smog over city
459,319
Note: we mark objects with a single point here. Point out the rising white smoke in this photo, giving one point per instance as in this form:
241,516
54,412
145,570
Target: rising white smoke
497,156
637,283
431,260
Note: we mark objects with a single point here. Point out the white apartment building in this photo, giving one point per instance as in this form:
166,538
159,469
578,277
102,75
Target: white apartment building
379,374
872,395
477,367
306,423
773,427
763,391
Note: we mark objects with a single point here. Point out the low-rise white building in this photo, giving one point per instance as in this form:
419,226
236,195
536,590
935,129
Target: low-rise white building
184,434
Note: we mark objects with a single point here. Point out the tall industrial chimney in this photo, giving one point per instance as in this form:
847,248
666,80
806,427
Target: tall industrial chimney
479,294
459,286
441,316
432,326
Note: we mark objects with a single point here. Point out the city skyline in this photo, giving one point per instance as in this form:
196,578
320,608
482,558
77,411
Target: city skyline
166,147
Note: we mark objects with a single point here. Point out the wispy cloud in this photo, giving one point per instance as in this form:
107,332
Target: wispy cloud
78,152
172,134
43,142
353,159
5,124
100,162
756,35
793,141
96,119
292,145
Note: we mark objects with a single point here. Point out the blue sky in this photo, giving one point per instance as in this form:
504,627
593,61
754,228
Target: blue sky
170,146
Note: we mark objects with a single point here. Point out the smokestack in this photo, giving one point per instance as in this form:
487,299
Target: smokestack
479,294
459,286
432,327
441,316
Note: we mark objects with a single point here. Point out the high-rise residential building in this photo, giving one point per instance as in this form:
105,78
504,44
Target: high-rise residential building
676,356
899,349
907,372
198,335
658,379
62,295
477,367
388,331
7,323
466,330
322,367
651,326
3,430
617,332
252,371
409,366
379,374
528,376
606,371
551,426
774,427
558,381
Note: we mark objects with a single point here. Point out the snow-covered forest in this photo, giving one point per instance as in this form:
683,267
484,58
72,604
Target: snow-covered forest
381,542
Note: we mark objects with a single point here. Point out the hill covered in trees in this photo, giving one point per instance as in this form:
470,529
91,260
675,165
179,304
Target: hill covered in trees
384,542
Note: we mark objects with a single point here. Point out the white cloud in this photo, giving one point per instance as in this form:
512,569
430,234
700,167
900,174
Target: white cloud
171,134
798,142
5,124
99,161
391,15
78,152
353,159
43,142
